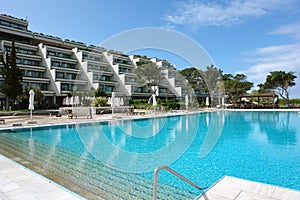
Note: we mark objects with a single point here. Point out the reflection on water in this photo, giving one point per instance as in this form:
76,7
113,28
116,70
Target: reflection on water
260,146
141,146
215,126
281,125
276,127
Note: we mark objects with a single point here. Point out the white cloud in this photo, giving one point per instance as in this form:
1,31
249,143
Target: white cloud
275,58
223,13
292,30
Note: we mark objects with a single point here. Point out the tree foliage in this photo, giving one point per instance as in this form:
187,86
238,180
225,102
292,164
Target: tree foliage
193,76
100,101
149,73
236,85
12,74
210,77
279,82
100,93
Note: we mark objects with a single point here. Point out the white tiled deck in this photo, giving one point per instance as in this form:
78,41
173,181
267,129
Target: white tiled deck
230,188
18,183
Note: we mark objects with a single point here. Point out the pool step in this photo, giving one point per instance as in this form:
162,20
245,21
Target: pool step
85,176
118,191
61,174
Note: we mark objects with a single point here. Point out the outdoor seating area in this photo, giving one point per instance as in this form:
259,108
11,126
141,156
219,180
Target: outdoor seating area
255,101
75,112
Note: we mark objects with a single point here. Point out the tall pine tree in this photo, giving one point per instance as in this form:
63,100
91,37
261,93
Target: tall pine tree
12,75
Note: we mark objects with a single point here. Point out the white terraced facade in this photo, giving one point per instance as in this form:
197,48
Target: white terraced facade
60,67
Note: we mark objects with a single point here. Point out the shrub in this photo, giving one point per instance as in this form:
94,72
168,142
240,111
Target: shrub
100,102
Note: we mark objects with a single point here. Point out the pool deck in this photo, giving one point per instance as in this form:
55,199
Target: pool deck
231,188
18,182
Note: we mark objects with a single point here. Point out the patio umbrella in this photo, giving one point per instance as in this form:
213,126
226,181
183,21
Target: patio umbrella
117,102
154,99
31,100
223,101
76,100
71,101
186,101
113,100
207,101
67,101
64,101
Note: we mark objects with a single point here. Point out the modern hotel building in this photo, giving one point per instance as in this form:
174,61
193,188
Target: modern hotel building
61,67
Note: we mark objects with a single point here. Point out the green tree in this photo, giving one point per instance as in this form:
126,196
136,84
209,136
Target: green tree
12,75
100,102
210,77
100,93
193,76
149,73
236,85
280,83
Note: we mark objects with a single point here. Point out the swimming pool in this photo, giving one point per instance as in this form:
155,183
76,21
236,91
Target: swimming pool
118,157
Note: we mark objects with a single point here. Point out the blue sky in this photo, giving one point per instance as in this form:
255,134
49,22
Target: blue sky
252,37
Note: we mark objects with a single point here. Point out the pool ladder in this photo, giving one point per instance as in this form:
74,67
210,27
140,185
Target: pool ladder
155,181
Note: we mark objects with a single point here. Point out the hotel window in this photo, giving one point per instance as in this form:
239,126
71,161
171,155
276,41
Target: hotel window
94,58
64,87
27,62
41,86
71,87
59,75
106,88
102,78
140,90
25,51
65,65
72,66
55,64
177,82
84,57
58,54
12,25
33,74
162,90
51,53
131,79
22,51
123,70
95,77
71,76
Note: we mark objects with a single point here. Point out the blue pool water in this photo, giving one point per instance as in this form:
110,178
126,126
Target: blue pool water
258,146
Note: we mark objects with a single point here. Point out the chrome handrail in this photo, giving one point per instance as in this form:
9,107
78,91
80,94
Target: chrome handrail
155,181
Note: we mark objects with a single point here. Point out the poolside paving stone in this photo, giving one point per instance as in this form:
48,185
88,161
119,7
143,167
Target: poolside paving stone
231,188
17,183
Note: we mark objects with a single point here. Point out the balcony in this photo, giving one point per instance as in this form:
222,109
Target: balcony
64,60
64,66
37,79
